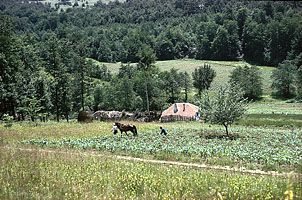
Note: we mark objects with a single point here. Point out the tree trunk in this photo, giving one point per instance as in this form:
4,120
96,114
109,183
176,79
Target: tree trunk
67,117
226,129
82,90
147,94
57,106
147,98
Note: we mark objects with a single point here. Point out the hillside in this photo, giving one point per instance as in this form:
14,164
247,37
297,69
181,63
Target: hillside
51,47
223,69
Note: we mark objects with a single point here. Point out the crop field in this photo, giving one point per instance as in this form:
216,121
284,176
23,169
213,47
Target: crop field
273,112
47,175
222,68
262,148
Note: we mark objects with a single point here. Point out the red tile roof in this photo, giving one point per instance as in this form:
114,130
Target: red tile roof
180,111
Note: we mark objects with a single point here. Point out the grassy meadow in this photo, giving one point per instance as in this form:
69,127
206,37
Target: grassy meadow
222,68
41,175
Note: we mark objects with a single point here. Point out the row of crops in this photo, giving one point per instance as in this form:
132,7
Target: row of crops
262,146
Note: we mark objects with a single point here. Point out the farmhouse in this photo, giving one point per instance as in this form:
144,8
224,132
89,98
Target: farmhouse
180,112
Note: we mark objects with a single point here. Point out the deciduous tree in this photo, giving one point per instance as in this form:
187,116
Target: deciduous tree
203,77
283,79
224,108
249,80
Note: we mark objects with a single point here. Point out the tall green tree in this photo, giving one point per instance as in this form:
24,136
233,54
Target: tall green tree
225,45
61,86
146,59
283,79
282,33
81,68
249,80
186,83
127,70
220,44
30,77
299,83
172,84
241,19
9,66
205,34
126,95
203,77
254,42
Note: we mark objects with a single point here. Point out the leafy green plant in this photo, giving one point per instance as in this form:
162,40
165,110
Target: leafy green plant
8,120
260,147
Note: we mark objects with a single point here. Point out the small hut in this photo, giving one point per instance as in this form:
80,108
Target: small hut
180,112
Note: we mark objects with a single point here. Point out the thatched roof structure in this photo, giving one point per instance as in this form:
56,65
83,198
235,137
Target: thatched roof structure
180,112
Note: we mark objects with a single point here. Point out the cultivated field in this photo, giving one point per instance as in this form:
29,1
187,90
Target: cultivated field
56,165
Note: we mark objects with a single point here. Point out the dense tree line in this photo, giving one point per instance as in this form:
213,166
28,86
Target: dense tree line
45,68
55,78
258,32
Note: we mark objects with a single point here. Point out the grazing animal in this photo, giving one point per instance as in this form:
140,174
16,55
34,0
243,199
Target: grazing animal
126,127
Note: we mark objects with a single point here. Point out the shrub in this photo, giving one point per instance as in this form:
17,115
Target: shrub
249,80
8,120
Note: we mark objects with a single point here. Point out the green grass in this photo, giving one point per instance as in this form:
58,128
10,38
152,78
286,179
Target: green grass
223,69
40,175
277,120
273,106
258,147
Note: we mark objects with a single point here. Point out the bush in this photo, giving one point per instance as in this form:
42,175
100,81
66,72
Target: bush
84,117
8,120
249,80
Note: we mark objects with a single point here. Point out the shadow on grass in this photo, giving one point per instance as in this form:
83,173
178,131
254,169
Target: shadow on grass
220,136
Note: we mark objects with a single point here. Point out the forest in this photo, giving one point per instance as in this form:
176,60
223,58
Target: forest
49,56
